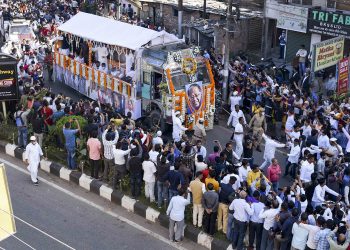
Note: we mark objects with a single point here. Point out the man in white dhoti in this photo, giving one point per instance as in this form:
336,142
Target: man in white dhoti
178,129
32,158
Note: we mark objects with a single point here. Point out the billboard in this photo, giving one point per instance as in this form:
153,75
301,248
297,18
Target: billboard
328,53
343,75
8,82
330,23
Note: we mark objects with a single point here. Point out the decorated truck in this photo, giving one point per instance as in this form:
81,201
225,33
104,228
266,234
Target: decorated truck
136,70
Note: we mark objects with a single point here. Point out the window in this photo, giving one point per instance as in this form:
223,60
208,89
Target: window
175,12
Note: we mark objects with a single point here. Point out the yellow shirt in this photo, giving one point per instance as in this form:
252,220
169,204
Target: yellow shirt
212,181
117,122
252,176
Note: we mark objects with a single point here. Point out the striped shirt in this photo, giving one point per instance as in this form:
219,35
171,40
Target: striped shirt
109,145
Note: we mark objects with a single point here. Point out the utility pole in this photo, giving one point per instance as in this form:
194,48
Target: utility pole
205,9
179,17
229,22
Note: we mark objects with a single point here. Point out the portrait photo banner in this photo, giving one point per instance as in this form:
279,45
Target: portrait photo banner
328,53
195,95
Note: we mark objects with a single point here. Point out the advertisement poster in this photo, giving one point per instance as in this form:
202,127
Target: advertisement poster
343,75
328,53
8,82
134,107
329,23
194,94
290,17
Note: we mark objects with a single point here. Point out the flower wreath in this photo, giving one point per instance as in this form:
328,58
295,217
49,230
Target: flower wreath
189,66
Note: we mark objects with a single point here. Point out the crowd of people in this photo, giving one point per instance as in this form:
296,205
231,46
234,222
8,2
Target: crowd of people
227,190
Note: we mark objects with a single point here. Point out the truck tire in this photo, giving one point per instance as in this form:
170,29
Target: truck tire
157,120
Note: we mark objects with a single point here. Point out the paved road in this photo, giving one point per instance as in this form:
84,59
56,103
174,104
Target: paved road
73,221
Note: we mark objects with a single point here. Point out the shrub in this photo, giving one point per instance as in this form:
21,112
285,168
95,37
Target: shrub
58,128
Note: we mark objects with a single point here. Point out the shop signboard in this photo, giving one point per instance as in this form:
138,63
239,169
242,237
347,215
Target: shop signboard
328,53
329,23
289,17
8,81
343,75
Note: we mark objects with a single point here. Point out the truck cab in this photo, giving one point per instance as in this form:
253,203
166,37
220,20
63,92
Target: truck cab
165,83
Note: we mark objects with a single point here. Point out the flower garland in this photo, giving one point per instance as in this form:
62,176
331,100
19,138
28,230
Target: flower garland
189,66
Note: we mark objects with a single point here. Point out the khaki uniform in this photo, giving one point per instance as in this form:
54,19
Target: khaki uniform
199,134
258,124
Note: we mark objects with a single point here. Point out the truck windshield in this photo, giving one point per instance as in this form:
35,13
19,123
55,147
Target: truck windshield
180,79
21,29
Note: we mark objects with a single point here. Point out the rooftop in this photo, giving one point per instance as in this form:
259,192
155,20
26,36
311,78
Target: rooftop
213,6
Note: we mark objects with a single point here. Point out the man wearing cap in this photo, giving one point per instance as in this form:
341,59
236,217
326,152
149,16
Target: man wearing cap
32,158
178,129
234,100
199,132
335,149
157,140
259,126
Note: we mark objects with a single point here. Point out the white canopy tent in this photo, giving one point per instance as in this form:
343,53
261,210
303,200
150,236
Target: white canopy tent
115,33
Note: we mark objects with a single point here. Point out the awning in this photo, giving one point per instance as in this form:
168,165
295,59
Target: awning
112,32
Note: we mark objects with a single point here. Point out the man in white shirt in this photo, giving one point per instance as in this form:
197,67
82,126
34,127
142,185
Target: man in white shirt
242,211
32,157
236,113
234,100
255,223
149,170
290,122
270,149
320,192
307,168
238,136
313,229
120,163
243,170
306,129
300,234
302,54
158,139
323,140
268,214
293,159
345,131
176,213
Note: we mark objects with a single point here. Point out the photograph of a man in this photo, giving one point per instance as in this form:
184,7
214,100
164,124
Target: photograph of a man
194,93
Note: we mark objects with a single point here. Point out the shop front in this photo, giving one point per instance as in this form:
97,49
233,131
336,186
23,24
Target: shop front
289,18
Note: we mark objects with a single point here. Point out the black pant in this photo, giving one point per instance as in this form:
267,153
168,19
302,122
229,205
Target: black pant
95,167
293,171
209,222
50,72
136,183
255,232
239,230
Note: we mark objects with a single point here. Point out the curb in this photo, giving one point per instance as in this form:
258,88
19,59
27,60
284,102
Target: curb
116,197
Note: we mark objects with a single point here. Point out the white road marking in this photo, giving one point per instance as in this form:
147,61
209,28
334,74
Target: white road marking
101,208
